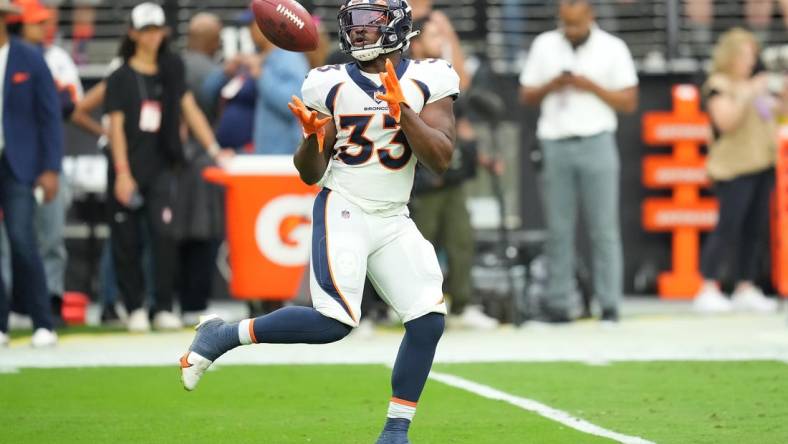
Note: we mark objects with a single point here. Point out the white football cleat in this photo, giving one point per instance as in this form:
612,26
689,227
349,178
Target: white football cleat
752,299
193,365
192,368
4,339
711,300
44,338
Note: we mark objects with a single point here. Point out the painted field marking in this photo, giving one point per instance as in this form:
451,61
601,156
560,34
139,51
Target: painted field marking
536,407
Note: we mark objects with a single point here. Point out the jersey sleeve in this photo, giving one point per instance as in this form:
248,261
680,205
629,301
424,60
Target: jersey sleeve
441,79
315,90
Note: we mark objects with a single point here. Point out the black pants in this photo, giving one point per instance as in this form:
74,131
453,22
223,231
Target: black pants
743,223
197,266
127,243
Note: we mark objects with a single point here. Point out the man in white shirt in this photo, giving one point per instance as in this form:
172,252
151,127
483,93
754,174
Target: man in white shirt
581,76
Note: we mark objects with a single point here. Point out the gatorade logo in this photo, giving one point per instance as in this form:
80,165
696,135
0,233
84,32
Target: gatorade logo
283,230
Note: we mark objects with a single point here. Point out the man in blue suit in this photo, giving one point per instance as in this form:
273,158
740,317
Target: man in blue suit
31,153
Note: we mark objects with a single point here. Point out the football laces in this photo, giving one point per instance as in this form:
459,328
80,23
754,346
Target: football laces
280,8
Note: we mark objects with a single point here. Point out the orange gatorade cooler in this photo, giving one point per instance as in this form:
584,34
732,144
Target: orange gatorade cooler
269,217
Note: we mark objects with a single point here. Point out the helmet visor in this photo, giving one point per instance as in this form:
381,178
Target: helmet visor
364,17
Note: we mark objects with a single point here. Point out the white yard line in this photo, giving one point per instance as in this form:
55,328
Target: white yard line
536,407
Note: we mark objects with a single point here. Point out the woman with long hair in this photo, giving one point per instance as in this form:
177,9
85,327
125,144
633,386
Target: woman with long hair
741,166
146,100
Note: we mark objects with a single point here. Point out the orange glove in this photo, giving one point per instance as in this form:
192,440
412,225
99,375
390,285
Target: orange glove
309,121
394,95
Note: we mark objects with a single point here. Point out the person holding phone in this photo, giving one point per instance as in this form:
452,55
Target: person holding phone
580,76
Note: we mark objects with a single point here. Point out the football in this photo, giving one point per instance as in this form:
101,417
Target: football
286,24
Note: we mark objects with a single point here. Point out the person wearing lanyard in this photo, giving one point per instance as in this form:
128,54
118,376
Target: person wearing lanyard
145,100
580,76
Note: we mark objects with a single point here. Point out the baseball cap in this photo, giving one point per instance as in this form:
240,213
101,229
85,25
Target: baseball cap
147,14
32,11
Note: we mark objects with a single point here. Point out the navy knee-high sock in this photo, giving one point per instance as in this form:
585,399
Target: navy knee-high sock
412,367
293,325
289,325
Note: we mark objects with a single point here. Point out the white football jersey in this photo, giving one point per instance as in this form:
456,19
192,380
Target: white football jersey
373,165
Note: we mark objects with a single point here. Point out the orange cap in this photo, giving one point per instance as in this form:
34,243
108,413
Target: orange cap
32,12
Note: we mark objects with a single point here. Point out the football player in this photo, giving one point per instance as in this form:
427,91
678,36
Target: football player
366,125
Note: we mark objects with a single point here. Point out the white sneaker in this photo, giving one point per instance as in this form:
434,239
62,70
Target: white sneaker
473,317
752,299
138,321
165,320
44,338
711,300
4,339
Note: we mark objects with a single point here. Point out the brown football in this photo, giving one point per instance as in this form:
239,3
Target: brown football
286,24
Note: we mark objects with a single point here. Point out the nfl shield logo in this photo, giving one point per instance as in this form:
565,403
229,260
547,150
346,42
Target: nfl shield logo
345,214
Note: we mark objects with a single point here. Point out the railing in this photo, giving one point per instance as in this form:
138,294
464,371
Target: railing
662,34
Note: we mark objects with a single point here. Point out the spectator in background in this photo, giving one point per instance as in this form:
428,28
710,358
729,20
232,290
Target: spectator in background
31,153
757,15
83,28
233,86
580,76
146,100
202,45
32,25
279,75
741,165
201,210
451,50
439,202
260,83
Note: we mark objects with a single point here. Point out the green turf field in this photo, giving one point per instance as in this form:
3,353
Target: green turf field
667,402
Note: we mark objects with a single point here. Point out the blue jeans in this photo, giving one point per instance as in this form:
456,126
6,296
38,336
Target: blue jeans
18,205
50,226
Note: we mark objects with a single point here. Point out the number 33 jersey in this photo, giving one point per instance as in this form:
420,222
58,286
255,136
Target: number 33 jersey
372,165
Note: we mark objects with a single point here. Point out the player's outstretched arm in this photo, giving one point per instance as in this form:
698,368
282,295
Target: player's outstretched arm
431,134
311,159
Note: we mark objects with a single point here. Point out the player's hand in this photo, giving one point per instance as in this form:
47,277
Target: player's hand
394,95
309,121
